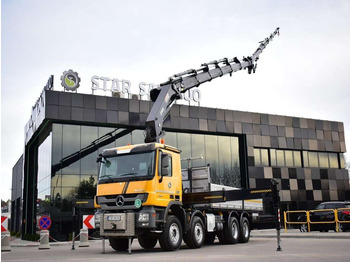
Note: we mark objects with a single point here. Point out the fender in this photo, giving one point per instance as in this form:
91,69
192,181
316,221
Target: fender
233,213
244,214
176,207
194,214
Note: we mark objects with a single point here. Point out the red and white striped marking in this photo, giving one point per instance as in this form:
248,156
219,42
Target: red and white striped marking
89,221
4,223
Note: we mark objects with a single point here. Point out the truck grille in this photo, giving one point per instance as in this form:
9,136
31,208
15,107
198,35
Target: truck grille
120,202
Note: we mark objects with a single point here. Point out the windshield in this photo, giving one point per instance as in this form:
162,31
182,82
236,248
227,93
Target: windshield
127,167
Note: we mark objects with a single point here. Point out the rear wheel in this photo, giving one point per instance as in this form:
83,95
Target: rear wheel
245,230
147,242
119,244
230,234
171,237
196,235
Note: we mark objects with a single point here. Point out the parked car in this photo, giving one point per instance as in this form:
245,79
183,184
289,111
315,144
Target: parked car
327,216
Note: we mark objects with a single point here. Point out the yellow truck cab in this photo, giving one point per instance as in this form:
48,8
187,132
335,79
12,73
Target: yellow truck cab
137,186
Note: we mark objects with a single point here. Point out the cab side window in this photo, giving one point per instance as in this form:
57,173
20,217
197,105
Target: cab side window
170,166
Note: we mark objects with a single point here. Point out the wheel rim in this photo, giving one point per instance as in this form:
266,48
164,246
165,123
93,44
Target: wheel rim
245,229
174,233
198,233
234,230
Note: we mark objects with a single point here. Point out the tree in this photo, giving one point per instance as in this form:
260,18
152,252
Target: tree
87,188
5,204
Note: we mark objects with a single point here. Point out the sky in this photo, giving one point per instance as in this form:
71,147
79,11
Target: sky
304,72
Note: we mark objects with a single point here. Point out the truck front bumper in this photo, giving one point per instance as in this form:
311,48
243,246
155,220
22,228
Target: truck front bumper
127,224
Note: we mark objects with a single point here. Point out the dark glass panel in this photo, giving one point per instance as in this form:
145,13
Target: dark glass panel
211,153
70,180
106,130
56,143
184,144
235,170
71,145
198,150
137,137
87,187
170,139
88,163
124,140
235,152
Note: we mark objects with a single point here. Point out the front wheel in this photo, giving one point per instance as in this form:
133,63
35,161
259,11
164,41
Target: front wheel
119,244
147,242
196,235
171,237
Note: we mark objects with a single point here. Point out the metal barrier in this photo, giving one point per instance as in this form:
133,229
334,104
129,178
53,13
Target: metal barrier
308,221
342,221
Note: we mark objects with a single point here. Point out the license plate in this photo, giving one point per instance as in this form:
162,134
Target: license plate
113,218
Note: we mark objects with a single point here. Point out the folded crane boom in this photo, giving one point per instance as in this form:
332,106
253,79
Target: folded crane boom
168,92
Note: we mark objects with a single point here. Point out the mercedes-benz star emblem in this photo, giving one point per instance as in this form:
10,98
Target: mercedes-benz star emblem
120,200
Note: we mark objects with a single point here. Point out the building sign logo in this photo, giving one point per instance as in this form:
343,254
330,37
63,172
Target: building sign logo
70,80
123,86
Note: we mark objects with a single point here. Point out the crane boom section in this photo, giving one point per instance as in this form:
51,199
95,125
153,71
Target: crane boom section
164,96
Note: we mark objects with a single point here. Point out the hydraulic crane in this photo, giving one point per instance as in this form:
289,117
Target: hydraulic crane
168,92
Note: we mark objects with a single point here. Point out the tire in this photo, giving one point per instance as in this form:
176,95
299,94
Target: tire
230,234
196,235
209,238
245,230
303,228
119,244
147,242
171,237
221,237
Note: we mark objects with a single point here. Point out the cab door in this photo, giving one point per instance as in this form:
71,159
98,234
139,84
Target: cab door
166,184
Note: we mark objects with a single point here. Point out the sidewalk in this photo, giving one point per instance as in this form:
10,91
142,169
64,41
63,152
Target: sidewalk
16,242
295,233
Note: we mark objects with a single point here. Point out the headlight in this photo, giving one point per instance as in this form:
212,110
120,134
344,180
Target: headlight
143,216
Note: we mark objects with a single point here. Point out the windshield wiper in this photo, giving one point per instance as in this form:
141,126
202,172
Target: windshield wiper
108,176
128,174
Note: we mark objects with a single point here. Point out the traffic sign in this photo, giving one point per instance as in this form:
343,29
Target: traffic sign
45,223
4,223
89,221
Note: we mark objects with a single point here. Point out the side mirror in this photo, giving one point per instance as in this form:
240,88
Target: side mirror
164,167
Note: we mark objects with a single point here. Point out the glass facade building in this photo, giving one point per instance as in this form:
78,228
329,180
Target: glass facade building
68,131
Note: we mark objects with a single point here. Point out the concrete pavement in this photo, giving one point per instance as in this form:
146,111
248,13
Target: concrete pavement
266,233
